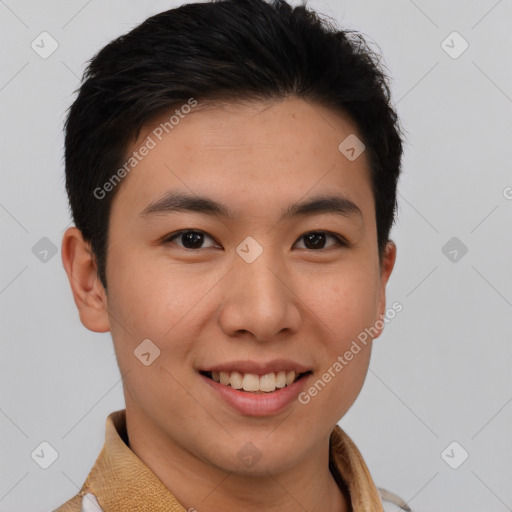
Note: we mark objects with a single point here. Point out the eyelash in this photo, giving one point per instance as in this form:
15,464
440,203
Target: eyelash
340,241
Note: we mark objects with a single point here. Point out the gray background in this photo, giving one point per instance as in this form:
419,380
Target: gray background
441,372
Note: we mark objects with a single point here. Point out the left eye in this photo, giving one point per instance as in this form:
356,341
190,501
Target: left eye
316,239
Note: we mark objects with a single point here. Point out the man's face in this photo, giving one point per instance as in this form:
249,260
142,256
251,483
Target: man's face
258,291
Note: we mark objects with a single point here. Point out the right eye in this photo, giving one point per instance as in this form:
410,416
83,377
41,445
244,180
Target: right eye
190,238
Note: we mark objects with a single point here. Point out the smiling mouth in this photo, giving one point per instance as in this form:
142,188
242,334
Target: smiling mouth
253,383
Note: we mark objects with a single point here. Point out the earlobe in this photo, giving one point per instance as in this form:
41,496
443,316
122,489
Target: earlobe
388,262
88,292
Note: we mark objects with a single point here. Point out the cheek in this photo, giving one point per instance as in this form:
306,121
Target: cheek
344,352
346,305
146,303
150,299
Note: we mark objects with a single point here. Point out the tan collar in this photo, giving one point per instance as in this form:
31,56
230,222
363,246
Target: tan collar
121,481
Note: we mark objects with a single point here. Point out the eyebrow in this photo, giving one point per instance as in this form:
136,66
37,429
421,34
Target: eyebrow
178,201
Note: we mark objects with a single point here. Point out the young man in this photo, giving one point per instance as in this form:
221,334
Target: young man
232,169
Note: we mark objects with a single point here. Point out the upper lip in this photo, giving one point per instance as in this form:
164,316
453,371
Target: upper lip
258,368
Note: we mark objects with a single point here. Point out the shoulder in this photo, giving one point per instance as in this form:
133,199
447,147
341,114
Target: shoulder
391,502
80,503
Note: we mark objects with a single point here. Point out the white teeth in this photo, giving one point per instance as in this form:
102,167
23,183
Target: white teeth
236,380
253,383
290,377
281,380
268,382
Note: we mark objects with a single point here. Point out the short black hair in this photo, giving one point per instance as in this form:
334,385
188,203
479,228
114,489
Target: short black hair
224,50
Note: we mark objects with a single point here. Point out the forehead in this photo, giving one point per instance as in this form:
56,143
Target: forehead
248,155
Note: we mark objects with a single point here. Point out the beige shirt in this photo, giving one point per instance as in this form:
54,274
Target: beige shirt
120,482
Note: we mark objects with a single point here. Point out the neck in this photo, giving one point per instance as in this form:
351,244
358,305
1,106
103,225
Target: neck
200,486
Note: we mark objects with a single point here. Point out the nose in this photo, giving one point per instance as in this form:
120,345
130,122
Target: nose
259,299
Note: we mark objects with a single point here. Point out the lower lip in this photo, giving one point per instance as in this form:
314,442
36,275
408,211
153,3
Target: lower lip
258,404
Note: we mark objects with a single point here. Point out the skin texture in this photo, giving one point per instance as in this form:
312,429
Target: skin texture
208,306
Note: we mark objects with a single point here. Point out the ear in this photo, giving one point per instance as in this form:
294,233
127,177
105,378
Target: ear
82,271
386,267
